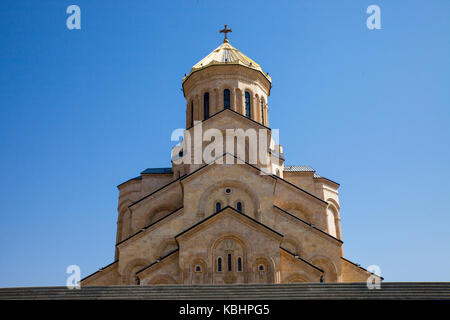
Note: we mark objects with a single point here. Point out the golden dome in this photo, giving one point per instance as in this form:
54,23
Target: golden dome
226,54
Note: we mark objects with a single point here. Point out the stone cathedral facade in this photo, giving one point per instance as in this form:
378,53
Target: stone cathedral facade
216,222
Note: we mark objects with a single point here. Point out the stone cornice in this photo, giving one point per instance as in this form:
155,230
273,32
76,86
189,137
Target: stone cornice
313,227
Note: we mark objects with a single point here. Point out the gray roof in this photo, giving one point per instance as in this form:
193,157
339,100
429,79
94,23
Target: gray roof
301,168
298,169
157,170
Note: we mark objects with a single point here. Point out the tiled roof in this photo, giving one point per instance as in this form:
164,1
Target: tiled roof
226,54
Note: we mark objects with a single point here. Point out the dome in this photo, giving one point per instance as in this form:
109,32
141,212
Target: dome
226,54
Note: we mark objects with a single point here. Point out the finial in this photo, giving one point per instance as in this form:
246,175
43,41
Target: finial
225,30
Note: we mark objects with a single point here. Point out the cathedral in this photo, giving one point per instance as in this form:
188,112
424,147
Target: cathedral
228,215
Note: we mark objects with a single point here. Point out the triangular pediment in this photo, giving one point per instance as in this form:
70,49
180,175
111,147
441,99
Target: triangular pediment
229,214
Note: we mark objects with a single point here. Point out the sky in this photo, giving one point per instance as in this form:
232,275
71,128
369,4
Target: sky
82,111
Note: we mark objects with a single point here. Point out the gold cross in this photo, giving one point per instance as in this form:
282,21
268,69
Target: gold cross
225,30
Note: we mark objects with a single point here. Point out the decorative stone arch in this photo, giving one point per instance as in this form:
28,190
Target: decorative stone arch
201,276
161,279
267,275
197,110
158,212
332,221
334,203
216,106
297,278
333,207
124,221
167,246
292,244
129,272
230,183
330,273
301,210
213,254
239,100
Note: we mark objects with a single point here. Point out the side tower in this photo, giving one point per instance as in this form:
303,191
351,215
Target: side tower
228,215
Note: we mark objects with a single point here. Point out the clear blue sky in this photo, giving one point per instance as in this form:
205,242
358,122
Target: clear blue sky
84,110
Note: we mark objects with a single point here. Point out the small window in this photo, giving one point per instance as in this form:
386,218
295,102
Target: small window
218,206
247,104
260,267
219,264
230,263
228,190
206,106
226,99
239,264
239,206
198,268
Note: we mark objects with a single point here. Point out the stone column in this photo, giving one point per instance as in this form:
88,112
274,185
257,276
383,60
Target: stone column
233,100
188,114
215,104
220,101
257,109
198,114
238,93
266,115
253,104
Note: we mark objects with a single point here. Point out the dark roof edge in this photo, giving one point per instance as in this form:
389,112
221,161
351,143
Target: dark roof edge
157,261
297,187
101,269
327,179
298,257
165,170
223,110
220,211
221,156
152,193
148,226
135,178
357,265
309,224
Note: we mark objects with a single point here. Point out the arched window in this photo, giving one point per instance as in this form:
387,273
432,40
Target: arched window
219,264
218,206
331,221
239,206
262,111
260,267
206,106
230,263
198,268
239,264
226,99
192,113
247,104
